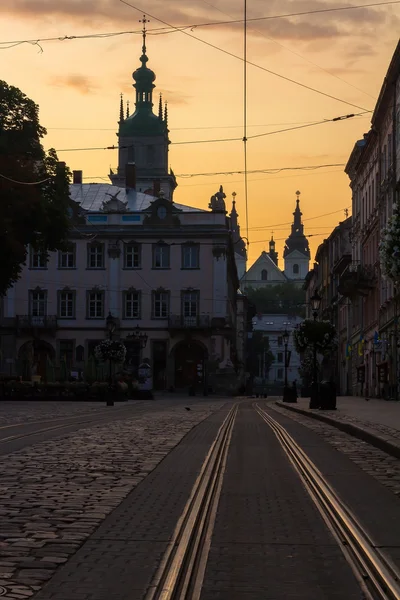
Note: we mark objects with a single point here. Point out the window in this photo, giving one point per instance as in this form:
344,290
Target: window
38,259
296,269
280,374
67,259
66,304
132,304
38,303
95,305
161,256
95,256
280,341
264,275
190,256
160,305
190,307
67,352
280,357
132,256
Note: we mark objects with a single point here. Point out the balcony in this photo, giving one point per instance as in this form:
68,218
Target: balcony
27,322
181,322
357,280
341,263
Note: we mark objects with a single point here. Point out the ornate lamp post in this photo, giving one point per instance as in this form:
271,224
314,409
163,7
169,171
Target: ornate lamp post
110,325
139,336
315,301
285,337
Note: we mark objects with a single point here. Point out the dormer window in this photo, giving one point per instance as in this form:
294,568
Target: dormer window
264,275
296,269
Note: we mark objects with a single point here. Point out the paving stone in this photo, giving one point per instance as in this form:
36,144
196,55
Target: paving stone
55,493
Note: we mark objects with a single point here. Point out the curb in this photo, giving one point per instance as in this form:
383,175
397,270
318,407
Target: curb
367,435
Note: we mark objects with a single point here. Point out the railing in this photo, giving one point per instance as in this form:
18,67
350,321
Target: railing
182,322
31,321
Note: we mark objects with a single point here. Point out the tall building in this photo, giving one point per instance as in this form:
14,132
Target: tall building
296,254
297,251
143,137
164,269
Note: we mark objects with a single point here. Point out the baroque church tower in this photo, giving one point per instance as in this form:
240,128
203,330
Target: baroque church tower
296,253
238,242
143,136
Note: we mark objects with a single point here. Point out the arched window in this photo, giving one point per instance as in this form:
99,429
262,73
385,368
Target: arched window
264,275
296,269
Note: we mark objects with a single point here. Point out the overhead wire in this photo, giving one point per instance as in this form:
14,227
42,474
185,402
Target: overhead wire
267,37
303,85
236,139
192,26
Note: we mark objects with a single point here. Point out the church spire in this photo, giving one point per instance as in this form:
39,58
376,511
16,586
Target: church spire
272,252
238,242
121,109
166,114
160,108
144,77
297,240
127,109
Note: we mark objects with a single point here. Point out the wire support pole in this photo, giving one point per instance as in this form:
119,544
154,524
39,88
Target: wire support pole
245,117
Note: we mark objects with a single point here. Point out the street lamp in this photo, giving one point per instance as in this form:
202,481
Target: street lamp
110,326
139,336
285,337
315,302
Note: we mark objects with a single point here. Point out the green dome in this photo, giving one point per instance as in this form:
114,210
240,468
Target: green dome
142,122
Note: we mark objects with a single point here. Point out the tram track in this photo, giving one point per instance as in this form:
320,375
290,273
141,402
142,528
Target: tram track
181,572
378,577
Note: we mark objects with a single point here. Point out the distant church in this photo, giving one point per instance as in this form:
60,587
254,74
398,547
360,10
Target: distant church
296,255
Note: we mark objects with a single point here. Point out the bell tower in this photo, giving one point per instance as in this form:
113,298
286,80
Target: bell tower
296,253
143,137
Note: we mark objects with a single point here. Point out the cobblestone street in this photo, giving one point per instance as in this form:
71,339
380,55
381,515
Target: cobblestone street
54,494
75,524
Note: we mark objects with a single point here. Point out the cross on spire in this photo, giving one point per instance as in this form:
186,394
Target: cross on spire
144,32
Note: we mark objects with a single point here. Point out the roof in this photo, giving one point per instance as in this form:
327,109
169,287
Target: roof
90,196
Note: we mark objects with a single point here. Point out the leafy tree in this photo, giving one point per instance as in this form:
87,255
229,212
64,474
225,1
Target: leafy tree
281,299
34,187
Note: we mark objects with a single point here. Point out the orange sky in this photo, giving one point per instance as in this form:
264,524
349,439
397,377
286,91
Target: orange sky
77,85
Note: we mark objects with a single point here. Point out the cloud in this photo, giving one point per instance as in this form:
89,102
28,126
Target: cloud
80,83
328,26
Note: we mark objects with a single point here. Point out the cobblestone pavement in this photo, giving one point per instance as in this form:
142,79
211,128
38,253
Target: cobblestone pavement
375,462
14,413
377,415
54,494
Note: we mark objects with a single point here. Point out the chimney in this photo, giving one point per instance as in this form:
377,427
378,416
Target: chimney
77,177
130,176
156,187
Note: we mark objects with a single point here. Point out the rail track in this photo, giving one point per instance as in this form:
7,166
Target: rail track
377,576
181,572
180,575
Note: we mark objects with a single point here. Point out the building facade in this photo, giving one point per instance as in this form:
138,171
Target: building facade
273,326
367,303
163,268
265,270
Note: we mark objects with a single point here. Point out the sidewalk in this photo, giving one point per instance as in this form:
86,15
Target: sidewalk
374,421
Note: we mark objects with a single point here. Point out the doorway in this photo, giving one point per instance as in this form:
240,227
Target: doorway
190,358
